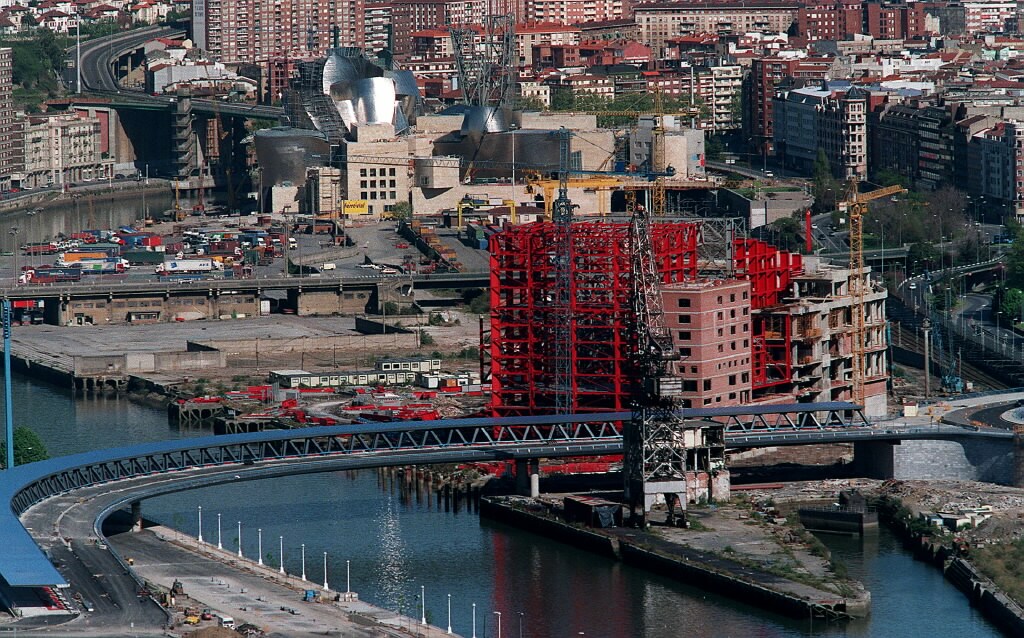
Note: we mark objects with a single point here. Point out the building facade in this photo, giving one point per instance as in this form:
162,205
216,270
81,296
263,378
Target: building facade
12,155
255,31
62,149
661,21
825,118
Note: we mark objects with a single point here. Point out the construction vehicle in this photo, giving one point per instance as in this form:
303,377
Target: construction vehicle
856,206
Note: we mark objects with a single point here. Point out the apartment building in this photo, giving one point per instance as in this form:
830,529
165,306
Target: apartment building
711,329
12,156
759,90
64,148
830,116
914,139
254,31
660,21
573,11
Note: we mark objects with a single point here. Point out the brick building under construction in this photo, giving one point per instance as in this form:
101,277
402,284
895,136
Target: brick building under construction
767,326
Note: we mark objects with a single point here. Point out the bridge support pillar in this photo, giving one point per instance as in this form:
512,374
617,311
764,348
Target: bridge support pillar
528,477
137,516
874,459
1018,456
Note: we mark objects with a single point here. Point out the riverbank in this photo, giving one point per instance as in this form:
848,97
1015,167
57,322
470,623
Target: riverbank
116,191
254,593
732,549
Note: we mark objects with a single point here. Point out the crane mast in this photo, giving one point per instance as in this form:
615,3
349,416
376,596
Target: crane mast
655,443
856,207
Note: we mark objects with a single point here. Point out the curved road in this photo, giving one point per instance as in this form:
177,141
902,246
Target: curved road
96,54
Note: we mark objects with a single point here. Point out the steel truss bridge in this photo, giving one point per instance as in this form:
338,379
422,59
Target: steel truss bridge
248,456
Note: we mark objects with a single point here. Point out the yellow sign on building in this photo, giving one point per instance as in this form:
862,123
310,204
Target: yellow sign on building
356,207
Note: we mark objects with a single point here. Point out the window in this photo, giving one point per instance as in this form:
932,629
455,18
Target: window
683,302
392,174
744,294
689,385
684,352
732,379
720,332
684,318
732,297
720,315
362,172
745,377
707,385
684,335
719,299
732,313
732,330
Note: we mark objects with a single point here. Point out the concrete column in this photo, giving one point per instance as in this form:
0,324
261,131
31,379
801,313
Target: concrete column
1018,456
137,516
534,478
874,459
522,477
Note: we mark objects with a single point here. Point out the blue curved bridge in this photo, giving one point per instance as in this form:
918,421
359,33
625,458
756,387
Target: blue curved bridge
23,564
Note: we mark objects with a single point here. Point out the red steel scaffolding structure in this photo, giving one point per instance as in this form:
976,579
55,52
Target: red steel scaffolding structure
523,295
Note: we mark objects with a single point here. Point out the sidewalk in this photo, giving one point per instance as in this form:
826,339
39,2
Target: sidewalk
259,594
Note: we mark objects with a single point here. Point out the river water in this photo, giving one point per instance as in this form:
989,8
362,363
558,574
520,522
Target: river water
396,542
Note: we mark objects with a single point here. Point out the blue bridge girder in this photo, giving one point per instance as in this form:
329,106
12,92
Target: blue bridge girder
373,445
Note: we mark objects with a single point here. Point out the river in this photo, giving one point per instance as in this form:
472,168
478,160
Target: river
396,542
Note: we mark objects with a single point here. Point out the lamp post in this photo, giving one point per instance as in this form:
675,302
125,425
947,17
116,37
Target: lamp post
200,523
474,621
303,561
498,614
449,613
423,605
219,546
14,234
259,544
521,614
30,214
239,539
281,541
348,577
325,572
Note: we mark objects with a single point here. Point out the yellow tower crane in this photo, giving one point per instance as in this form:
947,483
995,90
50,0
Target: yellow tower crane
856,205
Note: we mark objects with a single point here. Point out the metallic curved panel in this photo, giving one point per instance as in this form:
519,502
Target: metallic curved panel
374,100
284,154
484,119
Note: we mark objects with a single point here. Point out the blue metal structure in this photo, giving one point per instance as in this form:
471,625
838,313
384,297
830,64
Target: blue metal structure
22,564
5,311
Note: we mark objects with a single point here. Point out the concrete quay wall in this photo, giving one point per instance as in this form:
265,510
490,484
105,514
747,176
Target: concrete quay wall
984,460
688,569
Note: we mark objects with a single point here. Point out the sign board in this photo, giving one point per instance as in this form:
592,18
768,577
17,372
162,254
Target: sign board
355,207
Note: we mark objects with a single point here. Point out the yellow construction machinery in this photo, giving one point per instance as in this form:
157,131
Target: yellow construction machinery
597,183
856,206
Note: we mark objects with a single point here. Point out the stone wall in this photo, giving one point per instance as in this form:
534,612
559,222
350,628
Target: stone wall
986,460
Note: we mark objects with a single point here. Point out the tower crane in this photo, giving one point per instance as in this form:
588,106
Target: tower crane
655,441
856,206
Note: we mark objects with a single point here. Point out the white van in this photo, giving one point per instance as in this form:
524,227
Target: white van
226,621
328,266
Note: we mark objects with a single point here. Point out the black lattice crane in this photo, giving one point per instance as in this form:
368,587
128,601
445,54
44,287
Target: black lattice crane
655,442
856,206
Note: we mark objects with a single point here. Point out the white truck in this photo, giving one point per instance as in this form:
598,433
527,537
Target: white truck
226,621
188,266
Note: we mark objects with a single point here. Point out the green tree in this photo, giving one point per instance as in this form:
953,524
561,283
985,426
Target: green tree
787,234
402,211
28,447
1012,303
825,188
562,98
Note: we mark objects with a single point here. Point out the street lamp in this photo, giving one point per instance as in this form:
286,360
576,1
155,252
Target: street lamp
474,621
423,605
219,546
303,561
449,613
239,539
259,544
14,234
325,573
200,523
498,614
521,614
281,541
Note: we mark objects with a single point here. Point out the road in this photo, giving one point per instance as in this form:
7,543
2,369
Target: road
96,55
64,527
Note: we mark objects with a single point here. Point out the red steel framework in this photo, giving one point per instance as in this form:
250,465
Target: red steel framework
523,295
